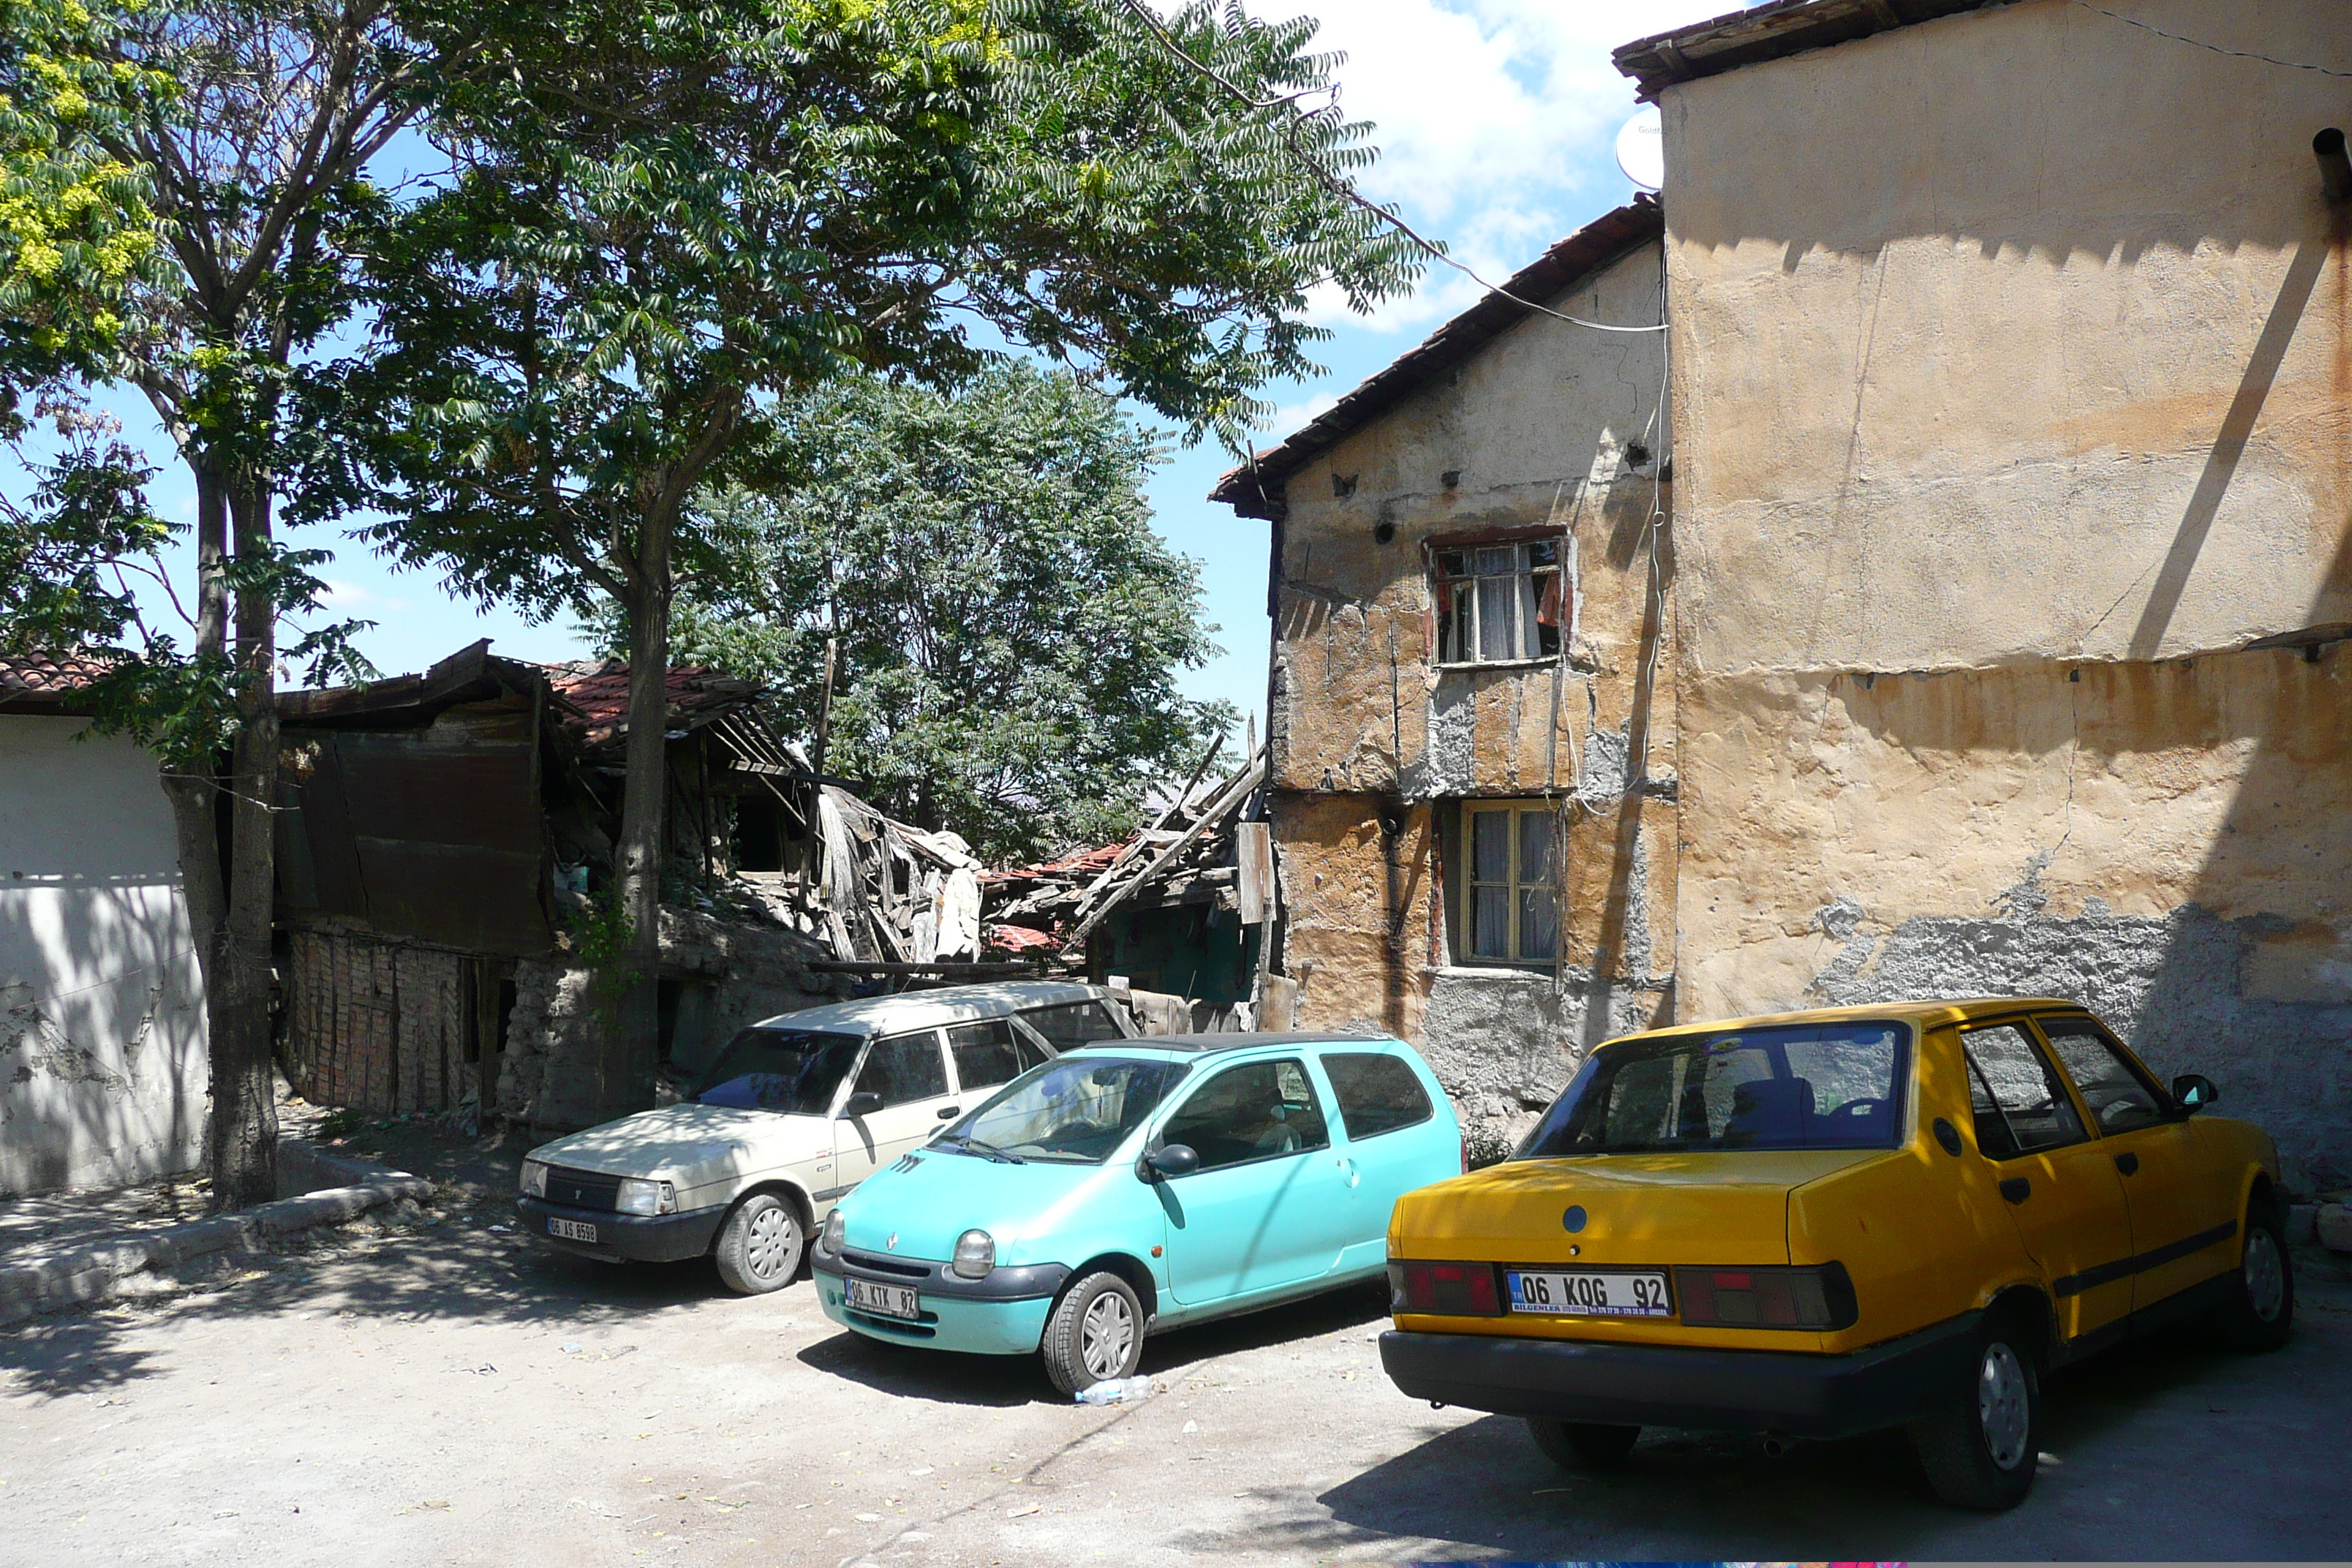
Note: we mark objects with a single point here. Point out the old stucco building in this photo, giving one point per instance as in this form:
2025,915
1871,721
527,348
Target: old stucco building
1471,771
2009,573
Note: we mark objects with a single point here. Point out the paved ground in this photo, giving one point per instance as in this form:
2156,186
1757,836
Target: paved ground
451,1395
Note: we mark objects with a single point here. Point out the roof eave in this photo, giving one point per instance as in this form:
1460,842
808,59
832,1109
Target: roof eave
1769,33
1256,488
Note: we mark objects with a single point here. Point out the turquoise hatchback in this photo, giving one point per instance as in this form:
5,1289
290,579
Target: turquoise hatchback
1139,1184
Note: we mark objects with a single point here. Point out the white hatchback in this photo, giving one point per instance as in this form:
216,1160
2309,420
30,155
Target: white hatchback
792,1114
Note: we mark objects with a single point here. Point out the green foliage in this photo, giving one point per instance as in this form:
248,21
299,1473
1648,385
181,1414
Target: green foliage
601,934
68,562
1011,627
669,214
78,227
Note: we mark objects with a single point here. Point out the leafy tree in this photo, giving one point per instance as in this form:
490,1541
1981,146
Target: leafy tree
670,216
1010,628
180,180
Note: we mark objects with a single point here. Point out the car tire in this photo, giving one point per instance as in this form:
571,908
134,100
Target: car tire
1980,1451
760,1246
1579,1447
2260,1315
1096,1333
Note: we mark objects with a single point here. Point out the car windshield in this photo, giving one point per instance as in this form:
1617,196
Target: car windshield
1810,1086
791,1071
1075,1110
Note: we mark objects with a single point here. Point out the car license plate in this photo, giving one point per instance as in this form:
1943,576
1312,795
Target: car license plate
572,1229
1591,1293
884,1301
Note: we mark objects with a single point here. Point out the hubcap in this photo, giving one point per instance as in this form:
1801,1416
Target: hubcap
2265,1276
1107,1335
2002,1406
770,1239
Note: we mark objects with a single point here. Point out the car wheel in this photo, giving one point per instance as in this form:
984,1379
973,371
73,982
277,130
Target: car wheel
1095,1334
1979,1451
759,1246
1581,1446
2261,1313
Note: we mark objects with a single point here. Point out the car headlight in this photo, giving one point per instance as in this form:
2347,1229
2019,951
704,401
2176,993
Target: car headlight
641,1197
975,1254
534,1178
829,1241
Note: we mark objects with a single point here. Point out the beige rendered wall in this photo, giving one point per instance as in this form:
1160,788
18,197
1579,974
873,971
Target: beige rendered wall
1368,737
2013,357
103,1076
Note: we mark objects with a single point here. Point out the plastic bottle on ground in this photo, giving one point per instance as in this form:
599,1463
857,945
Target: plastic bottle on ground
1116,1391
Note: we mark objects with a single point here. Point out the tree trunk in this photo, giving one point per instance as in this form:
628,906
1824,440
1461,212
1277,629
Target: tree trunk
632,1048
244,1102
194,787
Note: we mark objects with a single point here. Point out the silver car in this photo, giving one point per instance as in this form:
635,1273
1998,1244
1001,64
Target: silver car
791,1115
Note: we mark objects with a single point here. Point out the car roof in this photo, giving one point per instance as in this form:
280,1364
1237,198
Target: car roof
1237,1041
1924,1012
932,1009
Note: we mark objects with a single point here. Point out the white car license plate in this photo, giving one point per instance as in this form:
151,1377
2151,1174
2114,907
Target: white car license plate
572,1229
1591,1293
884,1301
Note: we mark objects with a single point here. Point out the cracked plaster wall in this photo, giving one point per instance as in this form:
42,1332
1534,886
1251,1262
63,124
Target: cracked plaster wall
103,1074
1535,430
1989,460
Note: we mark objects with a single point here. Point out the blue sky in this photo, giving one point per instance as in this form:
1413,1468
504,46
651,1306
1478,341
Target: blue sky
1496,120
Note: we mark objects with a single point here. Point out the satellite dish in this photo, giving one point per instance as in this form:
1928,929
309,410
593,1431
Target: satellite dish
1641,149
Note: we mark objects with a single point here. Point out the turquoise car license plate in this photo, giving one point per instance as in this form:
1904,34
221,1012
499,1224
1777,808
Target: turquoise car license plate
1591,1293
883,1300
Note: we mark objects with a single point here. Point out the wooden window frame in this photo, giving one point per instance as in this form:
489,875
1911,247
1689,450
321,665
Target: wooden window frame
1546,585
1516,809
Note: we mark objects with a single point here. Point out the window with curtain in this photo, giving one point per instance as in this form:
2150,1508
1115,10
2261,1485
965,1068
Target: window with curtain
1499,603
1511,881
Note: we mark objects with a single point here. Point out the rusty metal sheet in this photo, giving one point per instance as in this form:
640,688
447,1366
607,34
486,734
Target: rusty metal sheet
327,825
402,787
435,840
462,896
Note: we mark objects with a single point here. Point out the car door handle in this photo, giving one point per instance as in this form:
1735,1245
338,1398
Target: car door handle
2017,1189
2128,1164
950,1112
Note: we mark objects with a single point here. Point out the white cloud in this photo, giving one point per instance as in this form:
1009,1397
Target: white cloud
1495,121
1291,416
341,595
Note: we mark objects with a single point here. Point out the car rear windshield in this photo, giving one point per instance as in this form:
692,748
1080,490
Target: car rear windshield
1804,1086
1074,1110
792,1070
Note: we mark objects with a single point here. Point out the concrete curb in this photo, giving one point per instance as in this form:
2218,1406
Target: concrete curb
93,1272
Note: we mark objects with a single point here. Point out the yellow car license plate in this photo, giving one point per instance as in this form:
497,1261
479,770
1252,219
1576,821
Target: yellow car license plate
1591,1293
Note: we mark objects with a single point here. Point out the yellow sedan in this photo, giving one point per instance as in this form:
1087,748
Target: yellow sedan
1822,1224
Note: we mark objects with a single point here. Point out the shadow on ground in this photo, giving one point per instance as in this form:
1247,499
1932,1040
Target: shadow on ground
1702,1495
950,1378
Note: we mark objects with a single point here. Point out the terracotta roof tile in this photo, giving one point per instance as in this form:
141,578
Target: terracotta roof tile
597,694
48,675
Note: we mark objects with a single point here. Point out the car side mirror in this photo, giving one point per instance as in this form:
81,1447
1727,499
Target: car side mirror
1171,1160
865,1102
2193,1091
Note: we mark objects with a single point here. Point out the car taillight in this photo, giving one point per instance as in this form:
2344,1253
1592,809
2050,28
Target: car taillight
1819,1298
1447,1290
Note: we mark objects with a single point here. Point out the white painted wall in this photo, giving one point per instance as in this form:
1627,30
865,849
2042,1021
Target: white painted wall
102,1067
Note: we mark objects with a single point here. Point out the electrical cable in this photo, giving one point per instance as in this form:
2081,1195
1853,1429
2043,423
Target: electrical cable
2216,49
1343,189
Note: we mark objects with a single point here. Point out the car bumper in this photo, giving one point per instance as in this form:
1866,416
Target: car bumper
665,1238
1003,1314
1793,1392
